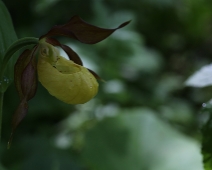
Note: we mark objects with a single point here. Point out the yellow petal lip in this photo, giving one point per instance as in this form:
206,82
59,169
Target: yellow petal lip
67,81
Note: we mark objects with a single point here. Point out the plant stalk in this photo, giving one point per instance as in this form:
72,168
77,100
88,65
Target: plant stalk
1,111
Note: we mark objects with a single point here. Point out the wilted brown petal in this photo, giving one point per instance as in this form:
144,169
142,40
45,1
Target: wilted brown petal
71,54
80,30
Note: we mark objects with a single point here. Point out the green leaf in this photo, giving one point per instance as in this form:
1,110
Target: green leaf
8,47
7,35
139,140
1,167
201,78
7,32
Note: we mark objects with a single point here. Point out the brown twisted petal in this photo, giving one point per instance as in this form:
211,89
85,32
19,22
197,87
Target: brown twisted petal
82,31
71,54
26,84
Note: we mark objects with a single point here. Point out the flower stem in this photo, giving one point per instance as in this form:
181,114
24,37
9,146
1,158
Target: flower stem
17,45
1,111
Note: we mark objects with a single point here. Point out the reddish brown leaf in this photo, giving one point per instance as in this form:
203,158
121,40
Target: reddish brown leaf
80,30
71,54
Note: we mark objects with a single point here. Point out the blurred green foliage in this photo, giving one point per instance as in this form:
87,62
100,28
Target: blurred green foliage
143,116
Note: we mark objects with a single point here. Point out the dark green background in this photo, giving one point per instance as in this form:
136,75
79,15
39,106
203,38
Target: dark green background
144,106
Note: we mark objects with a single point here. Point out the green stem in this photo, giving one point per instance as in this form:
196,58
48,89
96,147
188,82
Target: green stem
15,47
1,111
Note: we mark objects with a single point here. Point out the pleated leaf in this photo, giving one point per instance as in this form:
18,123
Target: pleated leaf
7,36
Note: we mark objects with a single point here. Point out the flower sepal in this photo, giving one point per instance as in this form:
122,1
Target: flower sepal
25,79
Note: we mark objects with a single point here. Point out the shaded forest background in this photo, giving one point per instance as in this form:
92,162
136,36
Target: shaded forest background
143,116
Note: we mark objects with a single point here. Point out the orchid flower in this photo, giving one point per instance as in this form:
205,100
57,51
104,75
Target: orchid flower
67,80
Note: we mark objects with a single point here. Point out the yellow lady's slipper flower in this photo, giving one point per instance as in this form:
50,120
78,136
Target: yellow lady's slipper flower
64,79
